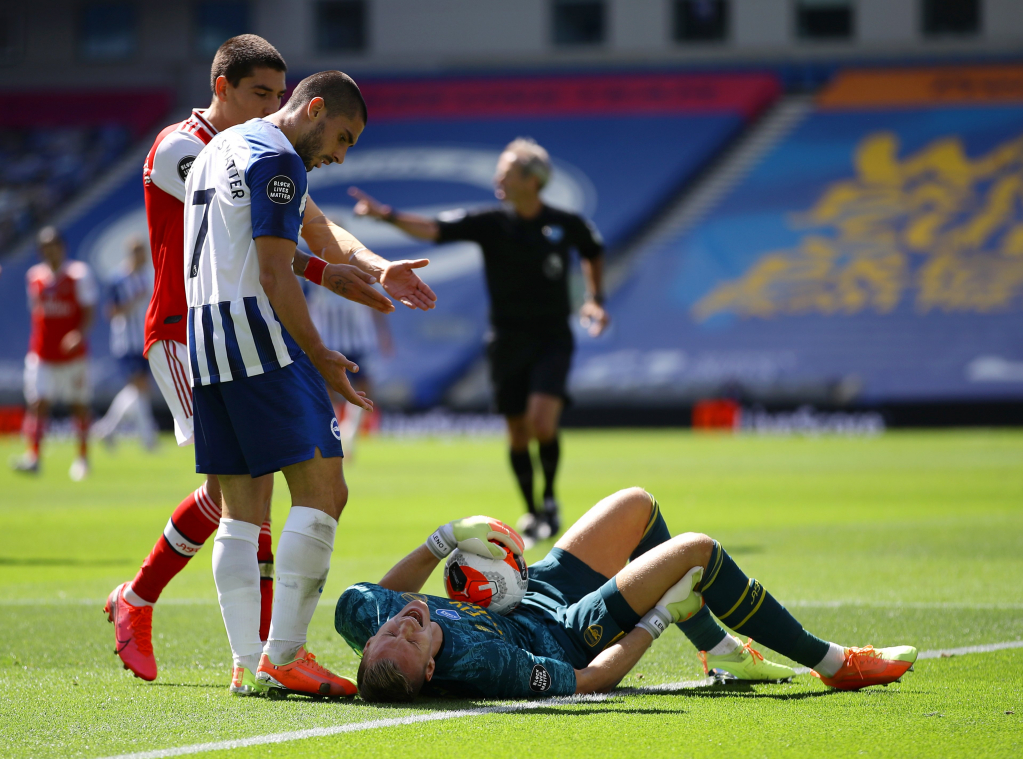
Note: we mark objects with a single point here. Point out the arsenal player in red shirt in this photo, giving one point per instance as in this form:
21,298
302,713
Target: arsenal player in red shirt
248,81
62,297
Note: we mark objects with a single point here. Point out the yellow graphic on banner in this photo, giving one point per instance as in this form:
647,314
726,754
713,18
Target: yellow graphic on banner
937,227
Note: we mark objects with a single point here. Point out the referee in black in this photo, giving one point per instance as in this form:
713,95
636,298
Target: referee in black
526,247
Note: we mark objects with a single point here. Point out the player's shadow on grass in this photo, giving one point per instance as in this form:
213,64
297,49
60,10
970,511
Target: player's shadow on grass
740,690
215,686
572,710
10,561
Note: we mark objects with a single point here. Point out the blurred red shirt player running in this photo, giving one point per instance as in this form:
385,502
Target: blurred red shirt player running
248,82
62,297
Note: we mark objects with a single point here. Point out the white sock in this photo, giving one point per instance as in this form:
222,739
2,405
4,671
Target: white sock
146,422
349,428
832,661
301,563
133,598
727,645
123,401
236,573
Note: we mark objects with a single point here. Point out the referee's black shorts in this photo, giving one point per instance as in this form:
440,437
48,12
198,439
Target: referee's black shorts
522,363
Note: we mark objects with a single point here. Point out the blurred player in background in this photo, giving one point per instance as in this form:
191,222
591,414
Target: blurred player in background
247,79
360,334
526,246
129,297
62,298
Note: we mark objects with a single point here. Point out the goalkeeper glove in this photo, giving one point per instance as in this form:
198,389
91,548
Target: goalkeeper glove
473,535
678,604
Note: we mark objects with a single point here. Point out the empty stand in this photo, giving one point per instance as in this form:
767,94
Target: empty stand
870,256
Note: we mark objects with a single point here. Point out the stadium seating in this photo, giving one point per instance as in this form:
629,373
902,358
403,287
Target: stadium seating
874,255
54,146
40,169
623,145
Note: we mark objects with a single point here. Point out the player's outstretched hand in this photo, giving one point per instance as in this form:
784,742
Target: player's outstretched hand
473,535
401,282
594,318
353,283
368,206
334,368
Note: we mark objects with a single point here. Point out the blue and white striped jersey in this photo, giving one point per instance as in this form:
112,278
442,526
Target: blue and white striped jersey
248,182
128,329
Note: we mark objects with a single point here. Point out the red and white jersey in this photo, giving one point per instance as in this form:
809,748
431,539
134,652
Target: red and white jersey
56,300
163,175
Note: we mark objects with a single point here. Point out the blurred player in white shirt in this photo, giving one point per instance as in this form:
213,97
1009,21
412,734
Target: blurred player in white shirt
129,297
62,297
361,335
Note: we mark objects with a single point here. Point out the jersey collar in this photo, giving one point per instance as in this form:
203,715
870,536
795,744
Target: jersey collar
199,114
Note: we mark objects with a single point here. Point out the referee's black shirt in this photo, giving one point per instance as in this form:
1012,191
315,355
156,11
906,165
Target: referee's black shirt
526,261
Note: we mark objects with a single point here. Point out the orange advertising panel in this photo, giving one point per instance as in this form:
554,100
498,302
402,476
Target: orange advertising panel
947,85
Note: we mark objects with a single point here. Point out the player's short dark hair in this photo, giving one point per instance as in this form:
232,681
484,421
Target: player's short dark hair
383,681
340,94
240,56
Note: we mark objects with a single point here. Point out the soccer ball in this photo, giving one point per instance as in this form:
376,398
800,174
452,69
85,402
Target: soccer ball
498,585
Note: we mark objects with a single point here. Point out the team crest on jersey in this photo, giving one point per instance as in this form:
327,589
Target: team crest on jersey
281,189
553,266
554,232
185,166
335,428
448,614
593,635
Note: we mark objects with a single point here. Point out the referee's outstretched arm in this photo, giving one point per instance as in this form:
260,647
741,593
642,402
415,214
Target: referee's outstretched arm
420,227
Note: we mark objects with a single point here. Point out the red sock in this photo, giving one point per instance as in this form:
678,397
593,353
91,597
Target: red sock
265,557
82,427
193,521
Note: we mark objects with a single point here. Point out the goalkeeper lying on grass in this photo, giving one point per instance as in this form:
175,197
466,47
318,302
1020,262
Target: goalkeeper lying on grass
611,585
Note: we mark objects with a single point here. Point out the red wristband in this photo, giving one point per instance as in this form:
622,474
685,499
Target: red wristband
314,270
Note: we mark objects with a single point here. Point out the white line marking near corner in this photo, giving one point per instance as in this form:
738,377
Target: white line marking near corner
415,719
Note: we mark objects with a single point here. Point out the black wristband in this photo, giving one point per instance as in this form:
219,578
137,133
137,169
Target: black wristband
597,298
391,217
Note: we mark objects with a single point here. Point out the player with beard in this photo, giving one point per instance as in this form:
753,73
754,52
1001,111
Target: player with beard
259,372
247,79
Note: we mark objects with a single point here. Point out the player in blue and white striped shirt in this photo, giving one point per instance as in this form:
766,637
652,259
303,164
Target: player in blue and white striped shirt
260,371
129,296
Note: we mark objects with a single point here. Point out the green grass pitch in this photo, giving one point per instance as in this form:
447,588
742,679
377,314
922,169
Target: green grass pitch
907,538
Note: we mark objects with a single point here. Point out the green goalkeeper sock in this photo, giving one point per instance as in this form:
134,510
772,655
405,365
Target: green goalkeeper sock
743,604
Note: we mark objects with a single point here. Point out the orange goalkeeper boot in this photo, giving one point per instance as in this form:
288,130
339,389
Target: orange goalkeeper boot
871,666
133,630
304,676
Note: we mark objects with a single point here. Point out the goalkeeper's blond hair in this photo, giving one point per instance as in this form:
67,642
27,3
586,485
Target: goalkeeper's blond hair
383,681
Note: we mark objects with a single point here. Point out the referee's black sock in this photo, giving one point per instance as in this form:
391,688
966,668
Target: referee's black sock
522,465
550,453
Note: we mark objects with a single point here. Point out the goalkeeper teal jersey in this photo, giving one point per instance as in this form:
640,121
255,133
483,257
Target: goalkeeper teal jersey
483,655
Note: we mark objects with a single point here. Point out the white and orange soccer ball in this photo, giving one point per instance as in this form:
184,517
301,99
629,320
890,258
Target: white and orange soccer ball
498,585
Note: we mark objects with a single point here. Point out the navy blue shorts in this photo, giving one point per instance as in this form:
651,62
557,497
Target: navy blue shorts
262,424
585,611
132,364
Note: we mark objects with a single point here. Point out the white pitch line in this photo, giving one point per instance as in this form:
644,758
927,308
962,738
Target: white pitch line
415,719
